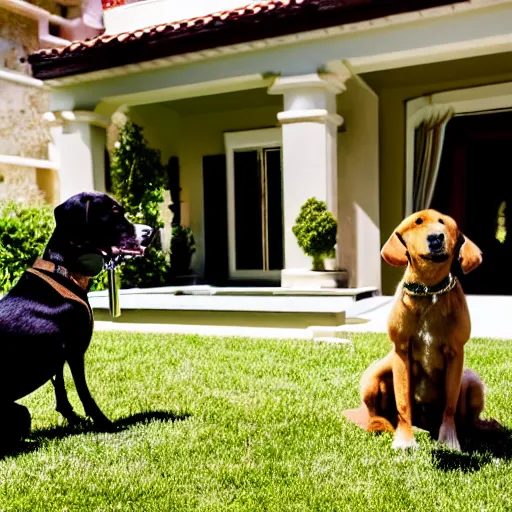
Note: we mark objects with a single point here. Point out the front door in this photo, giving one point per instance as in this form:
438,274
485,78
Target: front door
255,211
473,187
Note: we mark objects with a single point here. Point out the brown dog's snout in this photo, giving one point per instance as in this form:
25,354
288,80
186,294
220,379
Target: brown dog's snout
435,242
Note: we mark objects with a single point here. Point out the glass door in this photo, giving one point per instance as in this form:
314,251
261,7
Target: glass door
256,212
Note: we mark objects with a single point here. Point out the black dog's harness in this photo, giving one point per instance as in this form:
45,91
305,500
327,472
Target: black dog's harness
421,290
81,281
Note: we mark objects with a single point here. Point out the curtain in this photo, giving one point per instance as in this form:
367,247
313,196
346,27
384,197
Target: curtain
428,146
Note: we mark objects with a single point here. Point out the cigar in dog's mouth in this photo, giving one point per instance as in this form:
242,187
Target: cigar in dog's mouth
128,251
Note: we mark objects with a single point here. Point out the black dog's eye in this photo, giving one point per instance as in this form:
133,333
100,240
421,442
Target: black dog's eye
441,221
419,221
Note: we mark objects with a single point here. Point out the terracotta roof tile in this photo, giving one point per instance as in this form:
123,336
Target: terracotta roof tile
259,20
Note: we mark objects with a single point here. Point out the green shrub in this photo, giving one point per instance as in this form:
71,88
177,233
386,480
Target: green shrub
24,233
149,271
100,282
316,230
182,250
138,176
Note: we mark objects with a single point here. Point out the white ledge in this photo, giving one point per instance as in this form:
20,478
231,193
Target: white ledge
334,83
316,115
21,161
19,78
76,116
32,11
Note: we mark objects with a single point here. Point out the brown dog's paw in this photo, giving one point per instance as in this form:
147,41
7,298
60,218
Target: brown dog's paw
404,441
448,436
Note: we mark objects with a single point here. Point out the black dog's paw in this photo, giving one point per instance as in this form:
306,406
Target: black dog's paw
74,420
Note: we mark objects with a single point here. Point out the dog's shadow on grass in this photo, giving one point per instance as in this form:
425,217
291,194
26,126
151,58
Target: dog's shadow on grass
477,452
38,437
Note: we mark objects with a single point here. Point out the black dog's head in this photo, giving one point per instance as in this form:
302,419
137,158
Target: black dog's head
94,223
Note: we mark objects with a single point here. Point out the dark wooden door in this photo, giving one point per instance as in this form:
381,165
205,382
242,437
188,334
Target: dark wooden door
215,220
474,188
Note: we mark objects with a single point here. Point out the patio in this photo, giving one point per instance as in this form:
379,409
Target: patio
276,312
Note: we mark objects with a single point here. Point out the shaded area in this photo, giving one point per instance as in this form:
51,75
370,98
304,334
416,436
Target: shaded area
488,448
38,437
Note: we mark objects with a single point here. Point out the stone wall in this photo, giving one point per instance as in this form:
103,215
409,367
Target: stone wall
22,129
18,38
19,184
47,5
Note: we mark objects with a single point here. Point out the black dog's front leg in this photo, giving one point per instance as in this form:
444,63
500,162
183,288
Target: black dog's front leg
61,398
76,365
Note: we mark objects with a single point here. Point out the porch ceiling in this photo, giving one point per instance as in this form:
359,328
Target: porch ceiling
254,98
480,70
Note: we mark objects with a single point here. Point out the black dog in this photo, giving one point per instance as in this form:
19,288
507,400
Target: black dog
46,319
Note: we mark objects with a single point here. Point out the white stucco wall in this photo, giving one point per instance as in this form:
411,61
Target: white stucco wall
190,136
203,134
358,185
161,127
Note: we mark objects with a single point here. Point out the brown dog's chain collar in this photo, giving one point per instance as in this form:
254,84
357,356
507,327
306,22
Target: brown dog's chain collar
421,290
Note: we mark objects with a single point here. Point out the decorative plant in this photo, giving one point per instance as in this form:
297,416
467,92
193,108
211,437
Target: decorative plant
138,178
316,229
182,249
24,232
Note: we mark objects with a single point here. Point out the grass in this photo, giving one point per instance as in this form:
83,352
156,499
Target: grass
216,424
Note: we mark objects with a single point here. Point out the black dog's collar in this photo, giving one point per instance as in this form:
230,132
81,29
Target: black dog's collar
78,279
420,290
51,267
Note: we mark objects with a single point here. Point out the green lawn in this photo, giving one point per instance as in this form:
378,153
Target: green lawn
238,424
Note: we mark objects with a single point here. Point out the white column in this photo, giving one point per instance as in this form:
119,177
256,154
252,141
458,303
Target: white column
310,169
79,143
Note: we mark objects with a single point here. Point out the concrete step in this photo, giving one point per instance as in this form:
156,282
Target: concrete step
355,293
235,310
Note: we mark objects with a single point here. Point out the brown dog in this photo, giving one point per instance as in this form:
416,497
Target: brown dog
422,381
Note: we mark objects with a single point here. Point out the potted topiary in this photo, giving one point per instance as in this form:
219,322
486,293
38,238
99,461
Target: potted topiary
181,251
316,231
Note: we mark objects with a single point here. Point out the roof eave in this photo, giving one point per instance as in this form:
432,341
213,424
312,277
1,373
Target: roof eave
296,17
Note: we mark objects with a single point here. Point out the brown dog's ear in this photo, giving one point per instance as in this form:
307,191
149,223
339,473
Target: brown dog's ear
394,251
470,256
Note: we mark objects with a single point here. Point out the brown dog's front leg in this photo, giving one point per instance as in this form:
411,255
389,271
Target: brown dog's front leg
404,436
61,398
454,370
91,409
